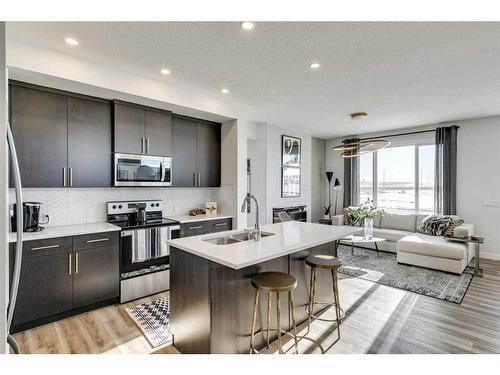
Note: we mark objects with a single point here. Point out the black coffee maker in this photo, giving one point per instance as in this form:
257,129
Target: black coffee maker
31,217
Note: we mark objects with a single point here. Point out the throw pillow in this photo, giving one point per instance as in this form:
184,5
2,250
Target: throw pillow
435,225
455,222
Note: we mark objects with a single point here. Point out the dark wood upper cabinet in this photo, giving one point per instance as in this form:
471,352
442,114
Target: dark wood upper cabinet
196,152
184,152
142,130
89,143
159,133
208,150
129,129
40,128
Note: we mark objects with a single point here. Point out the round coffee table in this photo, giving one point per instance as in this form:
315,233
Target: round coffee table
361,239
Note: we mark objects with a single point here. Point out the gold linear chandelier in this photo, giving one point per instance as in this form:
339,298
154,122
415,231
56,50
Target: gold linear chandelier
360,147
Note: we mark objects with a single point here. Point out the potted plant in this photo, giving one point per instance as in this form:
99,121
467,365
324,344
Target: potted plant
364,214
326,212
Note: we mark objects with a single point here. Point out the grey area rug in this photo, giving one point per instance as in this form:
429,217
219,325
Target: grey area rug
153,318
385,270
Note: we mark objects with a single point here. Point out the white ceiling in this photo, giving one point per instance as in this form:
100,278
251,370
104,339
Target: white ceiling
402,74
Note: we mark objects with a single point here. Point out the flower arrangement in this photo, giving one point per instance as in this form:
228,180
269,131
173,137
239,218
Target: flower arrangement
365,210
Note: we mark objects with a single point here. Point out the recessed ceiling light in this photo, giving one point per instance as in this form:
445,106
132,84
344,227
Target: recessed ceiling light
315,65
358,115
165,71
71,41
247,25
225,91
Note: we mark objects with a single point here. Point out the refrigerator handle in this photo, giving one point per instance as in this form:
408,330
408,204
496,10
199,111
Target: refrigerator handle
19,233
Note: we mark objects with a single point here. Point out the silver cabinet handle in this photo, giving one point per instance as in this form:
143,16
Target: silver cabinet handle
194,179
65,178
97,240
199,178
70,176
77,264
147,145
142,145
44,247
221,224
198,227
69,264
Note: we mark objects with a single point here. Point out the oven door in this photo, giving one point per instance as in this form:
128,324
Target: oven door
138,170
143,248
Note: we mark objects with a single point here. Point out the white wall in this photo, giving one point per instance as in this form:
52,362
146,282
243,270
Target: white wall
318,178
273,173
478,178
3,197
257,153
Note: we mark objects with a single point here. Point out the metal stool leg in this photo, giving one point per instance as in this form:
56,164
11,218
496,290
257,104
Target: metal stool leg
278,330
268,316
310,300
255,304
337,300
292,307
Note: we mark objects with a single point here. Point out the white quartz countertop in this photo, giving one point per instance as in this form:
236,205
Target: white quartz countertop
65,230
289,237
187,218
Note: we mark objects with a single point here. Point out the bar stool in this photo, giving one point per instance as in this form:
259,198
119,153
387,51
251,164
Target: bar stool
331,263
274,282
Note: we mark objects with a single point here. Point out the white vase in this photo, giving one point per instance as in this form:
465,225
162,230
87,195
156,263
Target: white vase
368,228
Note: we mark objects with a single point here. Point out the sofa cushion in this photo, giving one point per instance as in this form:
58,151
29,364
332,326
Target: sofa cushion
455,223
420,218
423,244
398,221
392,235
376,221
434,225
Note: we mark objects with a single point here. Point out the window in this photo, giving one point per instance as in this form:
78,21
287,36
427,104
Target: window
399,178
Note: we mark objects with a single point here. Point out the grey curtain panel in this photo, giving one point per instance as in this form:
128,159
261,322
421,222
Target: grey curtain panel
445,198
351,187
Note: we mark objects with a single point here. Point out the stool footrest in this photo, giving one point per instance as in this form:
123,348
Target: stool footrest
327,306
264,331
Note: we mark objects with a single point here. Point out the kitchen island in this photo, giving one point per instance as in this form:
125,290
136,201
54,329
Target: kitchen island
211,298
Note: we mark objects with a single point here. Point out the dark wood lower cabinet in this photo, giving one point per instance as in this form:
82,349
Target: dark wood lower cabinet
211,305
97,275
64,276
45,287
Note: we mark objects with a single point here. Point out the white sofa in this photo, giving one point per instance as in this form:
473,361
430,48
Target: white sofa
401,237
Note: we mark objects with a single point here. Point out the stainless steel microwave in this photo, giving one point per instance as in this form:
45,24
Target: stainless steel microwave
142,170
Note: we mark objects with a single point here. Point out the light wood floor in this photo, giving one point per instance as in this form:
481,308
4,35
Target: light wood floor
379,319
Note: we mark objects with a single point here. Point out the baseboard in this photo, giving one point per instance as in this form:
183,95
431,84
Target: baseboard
490,256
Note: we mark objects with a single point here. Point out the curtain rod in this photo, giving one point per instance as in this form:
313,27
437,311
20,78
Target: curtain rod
400,134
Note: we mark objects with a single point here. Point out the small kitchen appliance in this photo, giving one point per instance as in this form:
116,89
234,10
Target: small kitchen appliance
144,252
31,217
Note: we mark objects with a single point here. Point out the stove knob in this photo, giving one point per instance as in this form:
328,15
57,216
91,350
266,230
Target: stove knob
120,206
152,204
114,207
157,205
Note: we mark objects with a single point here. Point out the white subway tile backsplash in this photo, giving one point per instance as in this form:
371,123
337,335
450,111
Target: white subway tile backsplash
78,206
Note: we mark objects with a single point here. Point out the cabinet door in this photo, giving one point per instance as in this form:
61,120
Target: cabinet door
220,225
208,143
89,143
129,129
45,287
184,151
97,275
159,133
39,125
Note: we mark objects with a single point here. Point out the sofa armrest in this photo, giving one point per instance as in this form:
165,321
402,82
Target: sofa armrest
338,220
464,230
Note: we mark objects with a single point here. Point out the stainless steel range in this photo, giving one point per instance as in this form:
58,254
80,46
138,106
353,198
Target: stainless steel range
144,254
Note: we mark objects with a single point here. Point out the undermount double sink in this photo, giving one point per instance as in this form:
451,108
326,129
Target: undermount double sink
236,237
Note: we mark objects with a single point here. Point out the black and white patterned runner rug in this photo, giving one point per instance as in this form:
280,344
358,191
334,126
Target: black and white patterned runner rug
153,318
